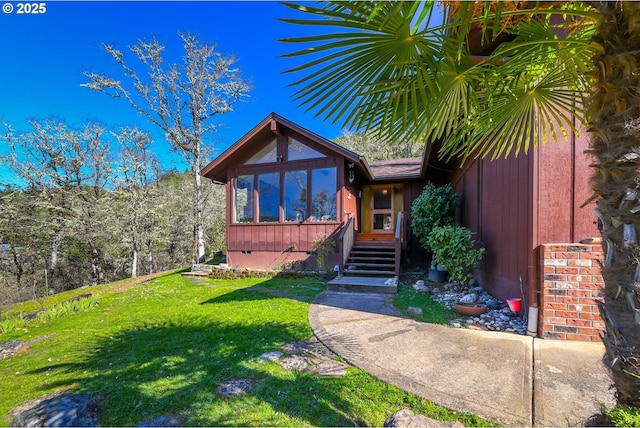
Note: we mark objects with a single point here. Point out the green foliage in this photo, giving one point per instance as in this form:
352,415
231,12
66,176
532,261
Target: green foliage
323,245
403,69
12,324
624,416
59,310
432,311
454,250
434,207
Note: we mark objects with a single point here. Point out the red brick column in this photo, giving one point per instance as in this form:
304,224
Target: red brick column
571,284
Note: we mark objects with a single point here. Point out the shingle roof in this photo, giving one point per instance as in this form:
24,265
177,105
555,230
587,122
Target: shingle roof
396,168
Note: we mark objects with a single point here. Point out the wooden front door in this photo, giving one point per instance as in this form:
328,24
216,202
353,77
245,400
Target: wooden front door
382,209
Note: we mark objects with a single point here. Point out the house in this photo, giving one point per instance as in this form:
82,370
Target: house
296,198
290,190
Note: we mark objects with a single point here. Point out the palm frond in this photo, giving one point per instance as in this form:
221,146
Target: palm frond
386,66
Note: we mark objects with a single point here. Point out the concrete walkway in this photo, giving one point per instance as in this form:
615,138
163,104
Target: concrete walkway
503,377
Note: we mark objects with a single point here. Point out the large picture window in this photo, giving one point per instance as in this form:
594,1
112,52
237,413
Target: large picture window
295,196
269,197
308,195
323,200
243,199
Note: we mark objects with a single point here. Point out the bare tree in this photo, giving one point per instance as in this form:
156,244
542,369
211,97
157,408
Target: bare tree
136,187
69,170
179,98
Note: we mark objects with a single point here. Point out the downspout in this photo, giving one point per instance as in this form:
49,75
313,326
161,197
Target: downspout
533,278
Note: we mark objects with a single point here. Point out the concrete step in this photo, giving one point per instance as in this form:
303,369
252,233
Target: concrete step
368,272
355,284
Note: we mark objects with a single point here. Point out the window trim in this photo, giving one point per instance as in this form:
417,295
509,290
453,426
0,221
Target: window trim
281,169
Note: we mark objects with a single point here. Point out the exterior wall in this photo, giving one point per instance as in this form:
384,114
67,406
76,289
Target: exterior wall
496,205
572,283
414,252
275,245
563,174
515,205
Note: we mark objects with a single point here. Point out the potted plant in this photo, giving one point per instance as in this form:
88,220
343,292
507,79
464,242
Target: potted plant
437,271
454,249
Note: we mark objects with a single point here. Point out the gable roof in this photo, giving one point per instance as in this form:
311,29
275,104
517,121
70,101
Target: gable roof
273,124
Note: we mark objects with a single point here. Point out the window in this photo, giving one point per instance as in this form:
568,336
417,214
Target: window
269,197
323,200
298,151
243,200
307,195
268,153
295,196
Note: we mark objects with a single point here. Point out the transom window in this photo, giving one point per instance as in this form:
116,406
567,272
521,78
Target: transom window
267,154
298,151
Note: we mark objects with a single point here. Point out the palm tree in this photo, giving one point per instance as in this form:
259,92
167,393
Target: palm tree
403,69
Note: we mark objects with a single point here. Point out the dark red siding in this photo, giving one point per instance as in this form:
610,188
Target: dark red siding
517,204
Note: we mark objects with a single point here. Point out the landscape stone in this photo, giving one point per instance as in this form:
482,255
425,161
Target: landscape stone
270,356
414,310
235,388
420,287
405,418
498,317
64,410
10,347
469,298
296,362
162,421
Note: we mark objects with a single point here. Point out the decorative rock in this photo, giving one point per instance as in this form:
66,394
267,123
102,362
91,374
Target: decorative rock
270,356
10,347
469,298
420,287
78,410
414,310
162,421
235,388
406,418
296,362
498,317
392,281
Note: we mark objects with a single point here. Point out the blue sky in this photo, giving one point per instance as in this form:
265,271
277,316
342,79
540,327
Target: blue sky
44,57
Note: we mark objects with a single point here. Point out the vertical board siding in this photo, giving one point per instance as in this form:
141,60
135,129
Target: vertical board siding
495,203
277,237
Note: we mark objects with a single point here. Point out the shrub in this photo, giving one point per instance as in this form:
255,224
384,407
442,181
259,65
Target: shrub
434,207
453,248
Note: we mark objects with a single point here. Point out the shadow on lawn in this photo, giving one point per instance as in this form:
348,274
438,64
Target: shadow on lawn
174,368
300,289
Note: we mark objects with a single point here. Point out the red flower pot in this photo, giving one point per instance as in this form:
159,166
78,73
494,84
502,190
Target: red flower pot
515,304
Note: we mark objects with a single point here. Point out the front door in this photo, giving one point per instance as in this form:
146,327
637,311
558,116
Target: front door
382,209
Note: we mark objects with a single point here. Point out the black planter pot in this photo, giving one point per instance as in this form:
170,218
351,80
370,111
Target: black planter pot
438,275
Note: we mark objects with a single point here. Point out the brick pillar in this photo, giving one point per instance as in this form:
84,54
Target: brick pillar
571,284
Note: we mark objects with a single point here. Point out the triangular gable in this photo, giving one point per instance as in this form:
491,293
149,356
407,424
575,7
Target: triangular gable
273,126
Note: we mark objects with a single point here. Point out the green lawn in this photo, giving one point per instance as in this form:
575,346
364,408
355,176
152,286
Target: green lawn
161,348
